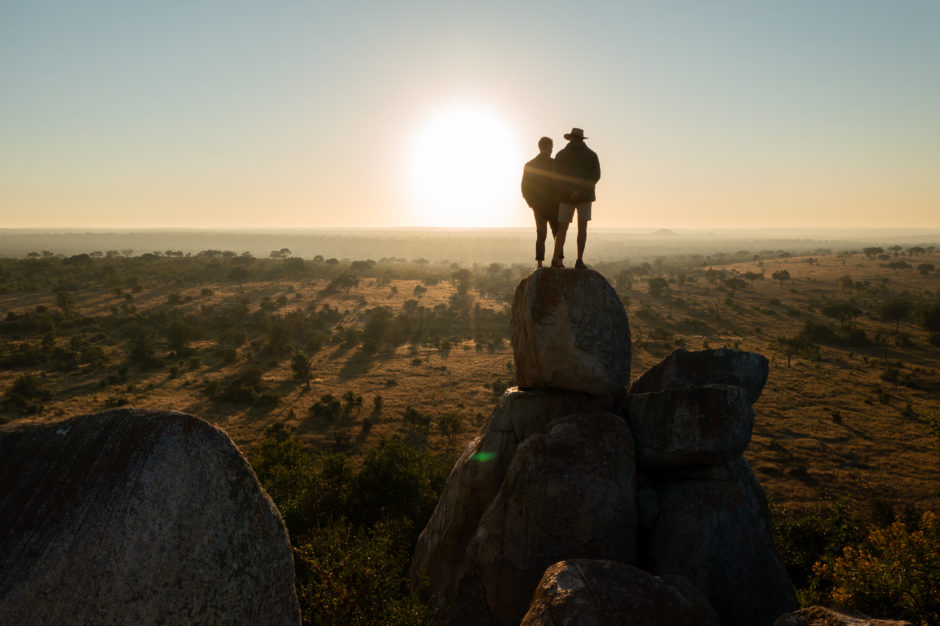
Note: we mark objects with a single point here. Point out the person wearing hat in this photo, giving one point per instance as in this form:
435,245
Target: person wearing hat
577,170
540,194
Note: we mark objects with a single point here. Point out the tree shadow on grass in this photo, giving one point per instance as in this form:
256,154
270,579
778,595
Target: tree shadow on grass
356,365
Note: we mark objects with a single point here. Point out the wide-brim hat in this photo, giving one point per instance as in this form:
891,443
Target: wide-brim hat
576,133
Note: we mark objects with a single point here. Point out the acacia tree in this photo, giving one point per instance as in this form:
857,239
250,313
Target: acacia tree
895,310
658,286
841,310
782,276
300,366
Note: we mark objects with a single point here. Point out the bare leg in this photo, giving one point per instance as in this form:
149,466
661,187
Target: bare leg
582,238
560,242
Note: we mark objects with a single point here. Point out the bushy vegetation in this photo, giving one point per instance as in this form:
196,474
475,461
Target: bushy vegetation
873,561
353,529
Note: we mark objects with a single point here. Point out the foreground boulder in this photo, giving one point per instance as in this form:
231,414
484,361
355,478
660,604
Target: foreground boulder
132,517
582,592
570,331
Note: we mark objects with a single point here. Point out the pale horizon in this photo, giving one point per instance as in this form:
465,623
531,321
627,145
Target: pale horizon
421,115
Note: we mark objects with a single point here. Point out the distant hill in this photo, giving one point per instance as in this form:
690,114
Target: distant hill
663,232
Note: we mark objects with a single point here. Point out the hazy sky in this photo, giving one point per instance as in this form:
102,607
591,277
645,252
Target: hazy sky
215,113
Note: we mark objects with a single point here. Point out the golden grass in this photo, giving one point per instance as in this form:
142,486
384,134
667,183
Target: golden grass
829,426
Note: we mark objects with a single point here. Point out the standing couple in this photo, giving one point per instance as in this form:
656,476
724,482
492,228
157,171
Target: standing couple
557,188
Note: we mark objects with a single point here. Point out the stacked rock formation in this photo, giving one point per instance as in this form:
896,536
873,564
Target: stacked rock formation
583,502
137,517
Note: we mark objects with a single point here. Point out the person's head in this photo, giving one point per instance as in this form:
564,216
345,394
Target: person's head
545,145
576,134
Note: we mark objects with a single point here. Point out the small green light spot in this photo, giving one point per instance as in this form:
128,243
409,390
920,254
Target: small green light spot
483,457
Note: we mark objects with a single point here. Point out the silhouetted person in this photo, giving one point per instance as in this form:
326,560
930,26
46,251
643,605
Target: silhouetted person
577,170
540,193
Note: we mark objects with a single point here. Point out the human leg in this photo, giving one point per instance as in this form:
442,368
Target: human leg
582,239
584,216
559,244
565,214
541,231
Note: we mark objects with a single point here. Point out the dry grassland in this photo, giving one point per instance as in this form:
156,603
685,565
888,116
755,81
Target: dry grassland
827,426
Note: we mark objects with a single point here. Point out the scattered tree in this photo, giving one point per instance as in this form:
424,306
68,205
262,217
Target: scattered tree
895,310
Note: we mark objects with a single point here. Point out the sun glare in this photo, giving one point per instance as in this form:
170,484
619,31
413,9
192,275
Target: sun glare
465,170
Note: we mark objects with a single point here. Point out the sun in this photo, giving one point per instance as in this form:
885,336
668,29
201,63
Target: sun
466,164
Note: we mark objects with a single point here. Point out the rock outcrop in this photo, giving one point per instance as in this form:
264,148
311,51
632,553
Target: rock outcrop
132,517
570,331
572,468
583,592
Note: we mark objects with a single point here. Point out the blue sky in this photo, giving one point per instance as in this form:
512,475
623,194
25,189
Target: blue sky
229,114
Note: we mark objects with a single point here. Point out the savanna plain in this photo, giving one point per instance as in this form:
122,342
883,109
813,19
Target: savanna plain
351,384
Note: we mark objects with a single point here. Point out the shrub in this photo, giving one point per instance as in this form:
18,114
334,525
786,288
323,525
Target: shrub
894,572
327,407
26,394
415,419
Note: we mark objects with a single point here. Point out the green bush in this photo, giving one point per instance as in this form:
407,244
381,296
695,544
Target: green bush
26,395
353,532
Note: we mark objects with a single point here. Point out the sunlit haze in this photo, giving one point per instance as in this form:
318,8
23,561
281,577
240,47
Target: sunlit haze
214,114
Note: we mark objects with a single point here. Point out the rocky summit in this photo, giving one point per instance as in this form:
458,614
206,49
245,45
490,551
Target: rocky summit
582,502
570,331
137,517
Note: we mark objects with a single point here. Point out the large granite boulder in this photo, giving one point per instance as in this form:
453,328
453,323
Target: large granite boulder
723,366
570,331
582,592
568,493
708,425
137,517
825,616
713,529
478,475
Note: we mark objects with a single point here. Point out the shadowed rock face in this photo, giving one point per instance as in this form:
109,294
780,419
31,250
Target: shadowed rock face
723,366
569,492
708,425
570,331
135,517
478,475
582,592
713,528
565,488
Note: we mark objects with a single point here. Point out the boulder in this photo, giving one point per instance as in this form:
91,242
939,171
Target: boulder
582,592
723,366
568,493
713,528
570,331
824,616
709,425
131,517
477,476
